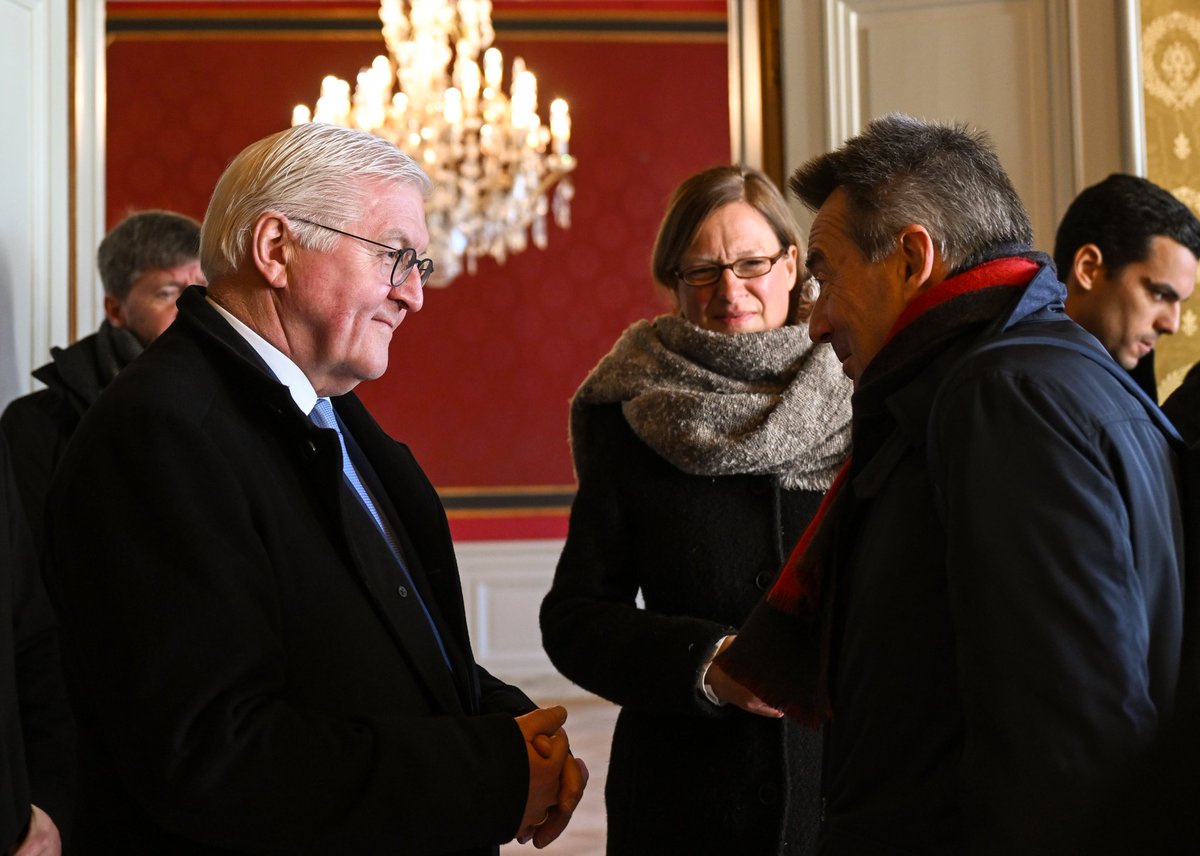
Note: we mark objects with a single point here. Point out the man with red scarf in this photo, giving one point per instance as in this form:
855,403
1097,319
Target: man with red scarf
987,614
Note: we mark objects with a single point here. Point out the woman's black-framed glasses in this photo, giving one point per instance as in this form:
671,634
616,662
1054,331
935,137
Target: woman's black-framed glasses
406,257
702,276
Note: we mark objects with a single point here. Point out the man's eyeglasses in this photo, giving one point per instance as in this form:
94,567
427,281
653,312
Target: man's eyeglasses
405,257
705,275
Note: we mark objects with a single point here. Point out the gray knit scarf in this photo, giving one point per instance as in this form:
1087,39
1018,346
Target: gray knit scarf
715,404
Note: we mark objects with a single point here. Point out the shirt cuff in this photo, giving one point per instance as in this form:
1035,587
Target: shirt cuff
702,683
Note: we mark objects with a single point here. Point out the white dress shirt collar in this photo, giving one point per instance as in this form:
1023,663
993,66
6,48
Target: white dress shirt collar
286,371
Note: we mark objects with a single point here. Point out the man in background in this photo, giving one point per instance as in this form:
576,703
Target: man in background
987,613
1127,251
263,624
145,263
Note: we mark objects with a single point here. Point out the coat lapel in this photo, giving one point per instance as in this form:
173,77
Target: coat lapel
368,553
420,523
357,539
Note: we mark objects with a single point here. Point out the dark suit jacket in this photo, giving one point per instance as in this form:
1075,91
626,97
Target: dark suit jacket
39,425
1183,406
36,736
244,682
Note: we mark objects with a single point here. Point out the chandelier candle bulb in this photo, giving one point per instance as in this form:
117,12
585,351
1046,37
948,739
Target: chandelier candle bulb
524,96
560,125
493,68
453,110
468,81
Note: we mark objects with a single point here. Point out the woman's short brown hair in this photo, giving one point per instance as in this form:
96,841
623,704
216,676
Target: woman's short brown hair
702,194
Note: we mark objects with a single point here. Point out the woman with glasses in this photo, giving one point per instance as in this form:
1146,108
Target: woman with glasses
703,443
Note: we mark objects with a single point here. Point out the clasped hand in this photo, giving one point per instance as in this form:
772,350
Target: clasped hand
556,778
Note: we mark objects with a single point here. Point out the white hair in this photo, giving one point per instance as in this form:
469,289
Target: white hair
313,170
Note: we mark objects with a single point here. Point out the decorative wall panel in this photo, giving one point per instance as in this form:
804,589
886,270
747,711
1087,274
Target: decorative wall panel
503,587
1171,83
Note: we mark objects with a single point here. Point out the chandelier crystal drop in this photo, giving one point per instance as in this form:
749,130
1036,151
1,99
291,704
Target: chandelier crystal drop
498,172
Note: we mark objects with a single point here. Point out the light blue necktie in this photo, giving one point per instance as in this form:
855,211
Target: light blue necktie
323,416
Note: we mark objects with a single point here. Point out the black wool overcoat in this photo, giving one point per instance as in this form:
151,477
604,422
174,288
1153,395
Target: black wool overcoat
244,681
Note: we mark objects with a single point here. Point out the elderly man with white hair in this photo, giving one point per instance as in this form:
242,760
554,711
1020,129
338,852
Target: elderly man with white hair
263,621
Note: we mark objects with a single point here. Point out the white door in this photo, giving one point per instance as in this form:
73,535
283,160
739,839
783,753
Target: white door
1054,82
39,227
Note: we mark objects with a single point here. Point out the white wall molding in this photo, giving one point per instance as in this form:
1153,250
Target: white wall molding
36,58
90,135
1133,115
503,586
34,244
745,83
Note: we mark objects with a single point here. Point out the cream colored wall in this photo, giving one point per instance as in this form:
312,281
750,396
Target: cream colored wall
1024,70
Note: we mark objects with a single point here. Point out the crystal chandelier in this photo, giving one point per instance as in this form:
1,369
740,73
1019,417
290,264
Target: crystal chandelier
492,161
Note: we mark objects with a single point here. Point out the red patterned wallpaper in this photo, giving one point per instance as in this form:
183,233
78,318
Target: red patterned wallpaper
480,379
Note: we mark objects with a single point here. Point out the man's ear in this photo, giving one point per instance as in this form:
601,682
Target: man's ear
114,311
1086,268
271,247
791,259
918,255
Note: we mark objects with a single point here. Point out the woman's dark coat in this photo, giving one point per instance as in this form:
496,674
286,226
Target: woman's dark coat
685,776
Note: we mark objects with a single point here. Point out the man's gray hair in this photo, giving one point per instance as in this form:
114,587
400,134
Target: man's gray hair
145,241
309,171
901,171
